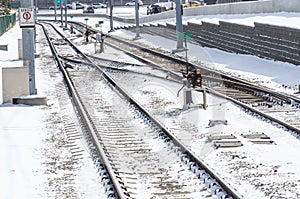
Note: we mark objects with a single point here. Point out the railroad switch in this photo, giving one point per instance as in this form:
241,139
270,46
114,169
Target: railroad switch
187,96
216,122
99,43
258,138
224,141
203,91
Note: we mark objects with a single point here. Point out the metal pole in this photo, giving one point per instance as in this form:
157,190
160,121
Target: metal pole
137,20
111,15
204,98
179,27
187,95
66,14
28,49
61,12
186,55
55,7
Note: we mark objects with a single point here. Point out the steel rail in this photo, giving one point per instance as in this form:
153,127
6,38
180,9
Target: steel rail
231,81
288,126
229,190
223,77
228,80
122,70
212,74
243,85
81,109
216,76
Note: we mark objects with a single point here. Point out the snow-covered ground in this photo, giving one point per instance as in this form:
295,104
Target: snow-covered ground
22,165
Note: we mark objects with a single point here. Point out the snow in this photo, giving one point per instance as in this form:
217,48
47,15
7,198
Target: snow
16,148
29,145
24,130
255,161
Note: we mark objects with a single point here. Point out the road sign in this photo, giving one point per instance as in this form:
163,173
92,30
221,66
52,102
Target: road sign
58,1
27,17
186,35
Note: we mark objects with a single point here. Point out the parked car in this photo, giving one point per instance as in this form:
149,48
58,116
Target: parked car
76,6
52,7
153,8
193,4
209,2
88,9
132,3
99,5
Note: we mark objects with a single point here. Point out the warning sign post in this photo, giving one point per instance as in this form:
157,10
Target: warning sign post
27,17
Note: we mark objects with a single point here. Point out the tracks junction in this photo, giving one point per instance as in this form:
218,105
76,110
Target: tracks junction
117,125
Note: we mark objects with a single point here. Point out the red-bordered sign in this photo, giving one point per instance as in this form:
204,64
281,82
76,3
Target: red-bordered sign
27,18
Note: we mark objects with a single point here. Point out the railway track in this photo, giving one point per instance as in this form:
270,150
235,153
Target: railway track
132,144
281,108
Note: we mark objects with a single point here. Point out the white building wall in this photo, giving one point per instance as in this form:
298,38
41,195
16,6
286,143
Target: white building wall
1,87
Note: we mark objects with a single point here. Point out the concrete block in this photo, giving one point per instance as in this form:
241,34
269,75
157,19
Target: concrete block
4,47
14,82
30,100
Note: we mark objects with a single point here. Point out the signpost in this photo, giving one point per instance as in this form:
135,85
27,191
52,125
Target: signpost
87,31
86,19
179,26
111,15
137,20
27,17
27,23
66,14
99,24
72,28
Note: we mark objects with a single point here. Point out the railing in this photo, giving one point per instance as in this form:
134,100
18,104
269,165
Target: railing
227,1
15,4
7,22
